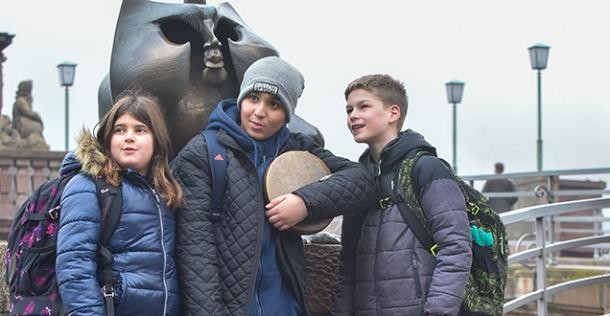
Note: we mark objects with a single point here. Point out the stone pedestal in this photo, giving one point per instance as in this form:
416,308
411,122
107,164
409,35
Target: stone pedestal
321,272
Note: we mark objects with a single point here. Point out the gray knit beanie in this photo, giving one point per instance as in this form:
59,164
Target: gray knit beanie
274,76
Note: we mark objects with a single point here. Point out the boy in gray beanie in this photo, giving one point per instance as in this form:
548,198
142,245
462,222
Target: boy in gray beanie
246,261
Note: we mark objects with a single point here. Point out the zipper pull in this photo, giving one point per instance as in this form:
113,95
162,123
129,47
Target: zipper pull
156,195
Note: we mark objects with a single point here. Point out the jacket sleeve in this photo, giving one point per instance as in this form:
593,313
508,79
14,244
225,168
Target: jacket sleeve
78,235
349,186
196,253
443,204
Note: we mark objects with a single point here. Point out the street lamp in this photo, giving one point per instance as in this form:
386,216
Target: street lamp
67,71
5,40
455,89
539,54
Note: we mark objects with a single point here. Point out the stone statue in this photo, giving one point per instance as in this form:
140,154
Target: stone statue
9,137
25,121
190,55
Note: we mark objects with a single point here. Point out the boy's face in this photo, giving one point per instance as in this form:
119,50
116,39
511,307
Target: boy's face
262,115
369,120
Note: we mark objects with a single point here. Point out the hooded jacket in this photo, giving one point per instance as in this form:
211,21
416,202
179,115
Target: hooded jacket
385,270
219,262
144,273
271,295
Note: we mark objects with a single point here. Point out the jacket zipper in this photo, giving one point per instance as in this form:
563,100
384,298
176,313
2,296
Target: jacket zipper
164,252
417,282
259,275
257,299
259,234
378,305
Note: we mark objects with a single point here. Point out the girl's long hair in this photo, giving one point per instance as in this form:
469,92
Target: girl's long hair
146,109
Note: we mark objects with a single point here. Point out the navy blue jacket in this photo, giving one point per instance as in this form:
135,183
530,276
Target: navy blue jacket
145,280
271,294
223,265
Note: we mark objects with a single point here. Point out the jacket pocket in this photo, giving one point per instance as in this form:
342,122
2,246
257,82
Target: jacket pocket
37,276
482,259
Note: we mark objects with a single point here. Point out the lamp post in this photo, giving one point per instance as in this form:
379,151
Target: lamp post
5,41
455,90
67,71
539,55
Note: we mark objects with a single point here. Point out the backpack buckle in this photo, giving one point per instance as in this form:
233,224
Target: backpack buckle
386,202
473,208
108,291
54,212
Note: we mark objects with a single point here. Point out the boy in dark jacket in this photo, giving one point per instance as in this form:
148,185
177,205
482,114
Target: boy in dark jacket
385,270
249,262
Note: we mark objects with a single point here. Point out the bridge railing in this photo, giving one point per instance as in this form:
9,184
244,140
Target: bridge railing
542,250
535,188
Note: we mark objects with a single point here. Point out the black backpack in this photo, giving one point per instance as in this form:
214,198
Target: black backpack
218,160
32,247
484,293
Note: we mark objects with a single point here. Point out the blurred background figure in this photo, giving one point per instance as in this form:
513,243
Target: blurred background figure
500,204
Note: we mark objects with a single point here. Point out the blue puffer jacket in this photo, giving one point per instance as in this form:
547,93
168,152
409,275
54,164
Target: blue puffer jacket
145,279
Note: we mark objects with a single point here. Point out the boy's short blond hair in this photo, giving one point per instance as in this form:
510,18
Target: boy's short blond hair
388,89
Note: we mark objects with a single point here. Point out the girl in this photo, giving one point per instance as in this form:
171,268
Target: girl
130,151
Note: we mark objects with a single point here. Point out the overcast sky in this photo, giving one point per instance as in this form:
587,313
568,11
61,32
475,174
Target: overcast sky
423,43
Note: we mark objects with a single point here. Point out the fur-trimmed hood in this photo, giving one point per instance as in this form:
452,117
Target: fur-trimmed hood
88,156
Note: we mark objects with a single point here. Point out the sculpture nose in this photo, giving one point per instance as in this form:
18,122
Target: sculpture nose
211,49
195,26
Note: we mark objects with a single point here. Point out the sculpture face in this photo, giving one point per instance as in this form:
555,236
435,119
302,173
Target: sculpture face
191,56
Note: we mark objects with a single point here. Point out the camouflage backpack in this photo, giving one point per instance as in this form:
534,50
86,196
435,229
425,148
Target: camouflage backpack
484,294
32,246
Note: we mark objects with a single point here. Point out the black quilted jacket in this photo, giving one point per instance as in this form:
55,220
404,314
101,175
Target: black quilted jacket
217,261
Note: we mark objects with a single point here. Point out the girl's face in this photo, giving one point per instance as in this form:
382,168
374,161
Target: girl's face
132,144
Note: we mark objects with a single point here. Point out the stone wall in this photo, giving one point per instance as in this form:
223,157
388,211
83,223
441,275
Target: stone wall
522,280
20,173
3,288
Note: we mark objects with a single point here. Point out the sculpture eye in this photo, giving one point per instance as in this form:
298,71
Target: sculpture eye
180,32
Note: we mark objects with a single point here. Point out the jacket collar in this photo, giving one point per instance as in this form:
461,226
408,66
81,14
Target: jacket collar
395,151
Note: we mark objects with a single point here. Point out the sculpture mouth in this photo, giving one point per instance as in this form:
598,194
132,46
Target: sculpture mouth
212,54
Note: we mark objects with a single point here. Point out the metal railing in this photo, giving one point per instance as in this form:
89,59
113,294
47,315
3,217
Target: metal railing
543,249
551,176
548,227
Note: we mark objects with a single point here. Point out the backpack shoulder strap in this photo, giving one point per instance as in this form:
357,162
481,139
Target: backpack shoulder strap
111,204
217,157
408,203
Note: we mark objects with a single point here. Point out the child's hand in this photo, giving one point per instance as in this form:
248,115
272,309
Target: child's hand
286,211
